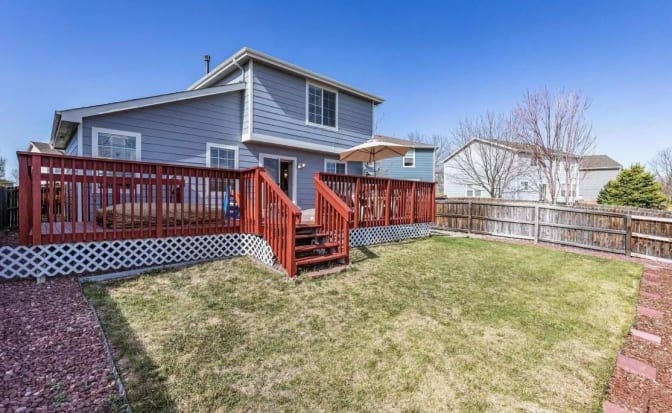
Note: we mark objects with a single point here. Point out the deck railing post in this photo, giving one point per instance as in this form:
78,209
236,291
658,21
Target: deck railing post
25,200
159,201
257,201
36,172
413,188
358,188
388,201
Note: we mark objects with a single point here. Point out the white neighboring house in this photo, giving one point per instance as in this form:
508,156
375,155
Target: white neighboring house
529,183
595,172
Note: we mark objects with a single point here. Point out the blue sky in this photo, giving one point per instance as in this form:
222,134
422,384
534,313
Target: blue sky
434,63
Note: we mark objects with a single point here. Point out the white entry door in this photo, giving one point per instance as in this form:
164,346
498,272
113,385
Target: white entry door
283,171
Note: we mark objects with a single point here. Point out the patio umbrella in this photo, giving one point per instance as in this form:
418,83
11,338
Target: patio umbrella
372,151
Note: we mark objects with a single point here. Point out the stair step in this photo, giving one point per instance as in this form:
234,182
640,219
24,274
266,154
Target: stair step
307,225
315,235
319,259
312,247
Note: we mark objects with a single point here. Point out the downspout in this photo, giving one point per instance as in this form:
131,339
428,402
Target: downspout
242,71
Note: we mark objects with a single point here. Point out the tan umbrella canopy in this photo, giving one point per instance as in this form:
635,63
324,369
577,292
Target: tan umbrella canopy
372,151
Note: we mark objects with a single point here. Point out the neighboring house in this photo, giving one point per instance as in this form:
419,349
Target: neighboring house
595,172
417,164
529,185
251,110
43,147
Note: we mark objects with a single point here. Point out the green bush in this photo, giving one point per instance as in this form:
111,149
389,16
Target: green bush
635,187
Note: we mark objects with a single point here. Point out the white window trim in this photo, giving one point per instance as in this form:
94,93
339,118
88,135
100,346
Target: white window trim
210,145
403,163
319,125
94,140
262,156
326,161
473,188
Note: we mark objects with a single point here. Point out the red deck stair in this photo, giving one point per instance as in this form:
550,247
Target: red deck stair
312,247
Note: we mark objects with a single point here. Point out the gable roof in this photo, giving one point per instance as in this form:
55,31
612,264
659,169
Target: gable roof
594,162
66,121
232,63
518,147
413,144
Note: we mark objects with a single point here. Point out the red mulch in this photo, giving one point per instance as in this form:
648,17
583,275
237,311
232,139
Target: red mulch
52,354
634,392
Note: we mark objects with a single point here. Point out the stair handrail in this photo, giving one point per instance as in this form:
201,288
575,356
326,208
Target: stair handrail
338,230
280,234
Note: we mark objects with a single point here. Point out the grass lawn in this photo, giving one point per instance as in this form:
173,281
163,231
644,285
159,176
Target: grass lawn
435,324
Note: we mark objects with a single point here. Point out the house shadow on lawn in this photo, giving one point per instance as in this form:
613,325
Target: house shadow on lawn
361,254
143,380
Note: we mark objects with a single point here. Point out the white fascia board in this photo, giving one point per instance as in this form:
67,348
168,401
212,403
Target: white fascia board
76,115
247,53
291,143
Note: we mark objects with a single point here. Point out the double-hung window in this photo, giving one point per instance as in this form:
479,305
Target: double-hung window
409,159
221,156
321,106
115,144
474,191
335,167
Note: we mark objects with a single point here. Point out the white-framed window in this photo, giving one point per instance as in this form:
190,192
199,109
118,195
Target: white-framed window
321,106
115,144
408,160
524,186
474,191
335,167
221,156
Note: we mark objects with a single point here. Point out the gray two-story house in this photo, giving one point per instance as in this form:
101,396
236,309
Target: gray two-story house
251,110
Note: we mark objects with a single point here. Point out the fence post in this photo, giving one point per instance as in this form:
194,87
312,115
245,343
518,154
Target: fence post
159,201
388,196
413,203
536,224
358,188
469,220
36,172
628,235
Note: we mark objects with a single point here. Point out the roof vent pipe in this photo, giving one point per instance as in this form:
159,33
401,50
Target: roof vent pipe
206,59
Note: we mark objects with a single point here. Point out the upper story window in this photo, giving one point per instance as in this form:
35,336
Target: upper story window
335,167
409,159
221,156
115,144
321,106
474,191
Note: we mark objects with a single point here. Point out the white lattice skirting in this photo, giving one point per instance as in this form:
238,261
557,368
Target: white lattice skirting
380,235
104,256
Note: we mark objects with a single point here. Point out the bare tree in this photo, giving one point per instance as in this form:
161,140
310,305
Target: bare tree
15,176
662,168
3,164
554,128
485,157
442,145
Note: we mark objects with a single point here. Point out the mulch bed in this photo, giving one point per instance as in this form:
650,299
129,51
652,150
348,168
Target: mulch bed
52,354
628,391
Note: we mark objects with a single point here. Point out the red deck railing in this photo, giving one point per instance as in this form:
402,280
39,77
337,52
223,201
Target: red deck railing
382,201
333,215
71,199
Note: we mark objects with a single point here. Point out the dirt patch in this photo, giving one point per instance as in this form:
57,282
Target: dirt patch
52,355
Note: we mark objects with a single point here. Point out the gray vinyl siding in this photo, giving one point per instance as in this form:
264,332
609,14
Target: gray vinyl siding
591,182
72,147
177,132
237,77
279,110
423,170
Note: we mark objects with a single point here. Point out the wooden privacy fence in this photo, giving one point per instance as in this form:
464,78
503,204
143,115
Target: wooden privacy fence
382,201
638,235
9,207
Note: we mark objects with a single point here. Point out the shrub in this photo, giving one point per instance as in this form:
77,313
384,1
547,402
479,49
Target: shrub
633,186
